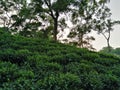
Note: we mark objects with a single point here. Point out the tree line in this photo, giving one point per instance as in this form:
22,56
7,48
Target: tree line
114,51
48,19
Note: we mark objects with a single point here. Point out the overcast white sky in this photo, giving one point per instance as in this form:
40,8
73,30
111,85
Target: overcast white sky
115,37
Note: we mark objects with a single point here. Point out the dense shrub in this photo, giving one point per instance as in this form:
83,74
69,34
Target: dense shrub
11,75
19,56
91,81
90,56
106,61
60,82
110,82
40,64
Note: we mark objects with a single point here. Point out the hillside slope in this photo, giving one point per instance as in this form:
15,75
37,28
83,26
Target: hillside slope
34,64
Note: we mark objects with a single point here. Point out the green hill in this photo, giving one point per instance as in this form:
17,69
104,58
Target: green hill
39,64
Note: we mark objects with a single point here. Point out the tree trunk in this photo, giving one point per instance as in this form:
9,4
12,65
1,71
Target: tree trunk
81,40
108,41
108,44
55,29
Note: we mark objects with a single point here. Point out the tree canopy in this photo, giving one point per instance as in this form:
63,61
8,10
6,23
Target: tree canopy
48,19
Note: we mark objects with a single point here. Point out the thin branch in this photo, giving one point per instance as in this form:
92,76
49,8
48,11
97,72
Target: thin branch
104,35
50,9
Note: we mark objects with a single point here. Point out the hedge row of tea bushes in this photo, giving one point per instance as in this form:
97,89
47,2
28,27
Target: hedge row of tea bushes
35,64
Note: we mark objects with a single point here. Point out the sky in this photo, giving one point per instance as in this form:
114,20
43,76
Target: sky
100,41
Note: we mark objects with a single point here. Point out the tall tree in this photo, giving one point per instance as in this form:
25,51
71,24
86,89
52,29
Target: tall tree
104,23
93,15
82,20
10,9
19,17
5,11
54,9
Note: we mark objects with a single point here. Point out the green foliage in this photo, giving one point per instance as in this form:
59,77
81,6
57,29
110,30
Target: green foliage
13,77
111,82
60,82
90,56
92,81
14,56
41,64
115,51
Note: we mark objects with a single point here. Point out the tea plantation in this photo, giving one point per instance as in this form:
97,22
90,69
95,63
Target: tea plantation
39,64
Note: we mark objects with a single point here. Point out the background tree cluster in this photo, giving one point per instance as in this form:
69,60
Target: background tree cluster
48,19
115,51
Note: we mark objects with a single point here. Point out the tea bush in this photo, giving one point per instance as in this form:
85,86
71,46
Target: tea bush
41,64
